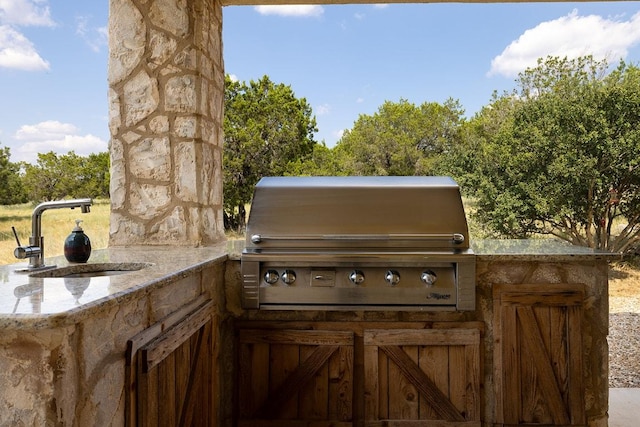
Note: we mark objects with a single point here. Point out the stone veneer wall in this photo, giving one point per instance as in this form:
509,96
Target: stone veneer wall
166,92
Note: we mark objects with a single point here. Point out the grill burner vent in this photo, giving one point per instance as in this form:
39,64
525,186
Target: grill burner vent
398,243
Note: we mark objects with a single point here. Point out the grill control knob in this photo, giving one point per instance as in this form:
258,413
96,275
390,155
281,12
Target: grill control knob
271,276
356,276
429,277
392,277
288,277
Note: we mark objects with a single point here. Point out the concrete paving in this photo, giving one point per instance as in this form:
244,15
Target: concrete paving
624,407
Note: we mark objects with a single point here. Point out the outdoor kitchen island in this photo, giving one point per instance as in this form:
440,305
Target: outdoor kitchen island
534,351
67,348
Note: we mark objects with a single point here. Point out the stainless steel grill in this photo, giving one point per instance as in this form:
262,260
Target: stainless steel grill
388,243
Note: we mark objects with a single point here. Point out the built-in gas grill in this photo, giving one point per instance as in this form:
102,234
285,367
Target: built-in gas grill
354,243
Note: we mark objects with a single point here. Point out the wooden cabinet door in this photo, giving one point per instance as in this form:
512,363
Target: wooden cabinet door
538,354
295,378
169,371
422,377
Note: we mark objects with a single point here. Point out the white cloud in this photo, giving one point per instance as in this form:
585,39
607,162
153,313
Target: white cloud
569,36
53,136
290,10
16,51
381,6
95,38
323,109
359,100
26,13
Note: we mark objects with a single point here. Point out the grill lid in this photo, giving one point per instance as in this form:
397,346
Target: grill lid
356,212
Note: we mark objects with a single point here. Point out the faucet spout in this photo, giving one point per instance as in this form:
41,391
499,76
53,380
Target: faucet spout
35,250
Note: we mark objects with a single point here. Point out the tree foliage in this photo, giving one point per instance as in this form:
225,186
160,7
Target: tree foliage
265,129
323,161
561,155
401,139
56,177
11,190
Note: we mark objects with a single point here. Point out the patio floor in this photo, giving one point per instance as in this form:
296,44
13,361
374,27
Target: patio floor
624,407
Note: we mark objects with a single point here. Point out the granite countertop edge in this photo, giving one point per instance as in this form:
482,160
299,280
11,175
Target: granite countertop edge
539,250
168,264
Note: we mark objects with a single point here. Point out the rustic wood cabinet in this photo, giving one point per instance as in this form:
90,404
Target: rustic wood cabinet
359,376
538,354
169,370
294,375
431,376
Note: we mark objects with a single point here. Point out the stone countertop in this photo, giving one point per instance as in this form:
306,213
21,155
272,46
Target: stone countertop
549,250
28,302
506,249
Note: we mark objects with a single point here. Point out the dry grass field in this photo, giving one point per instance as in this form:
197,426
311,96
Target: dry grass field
56,226
624,287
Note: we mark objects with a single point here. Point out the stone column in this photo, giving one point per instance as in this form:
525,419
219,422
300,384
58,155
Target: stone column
166,92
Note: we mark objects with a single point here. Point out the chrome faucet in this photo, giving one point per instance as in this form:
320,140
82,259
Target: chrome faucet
35,250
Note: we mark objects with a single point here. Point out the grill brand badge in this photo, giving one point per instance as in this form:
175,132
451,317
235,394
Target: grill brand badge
438,296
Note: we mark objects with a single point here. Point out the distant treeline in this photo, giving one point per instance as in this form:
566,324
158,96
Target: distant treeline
53,177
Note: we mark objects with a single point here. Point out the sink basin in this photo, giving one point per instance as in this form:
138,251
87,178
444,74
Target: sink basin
92,270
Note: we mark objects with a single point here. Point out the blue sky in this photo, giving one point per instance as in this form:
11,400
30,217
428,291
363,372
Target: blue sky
345,60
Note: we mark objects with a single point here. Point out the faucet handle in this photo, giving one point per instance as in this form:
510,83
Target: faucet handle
22,252
15,233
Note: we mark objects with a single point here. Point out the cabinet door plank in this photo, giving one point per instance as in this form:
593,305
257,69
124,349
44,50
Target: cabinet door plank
403,397
166,386
183,354
434,361
458,377
312,404
511,364
197,399
575,388
375,374
473,399
282,401
341,384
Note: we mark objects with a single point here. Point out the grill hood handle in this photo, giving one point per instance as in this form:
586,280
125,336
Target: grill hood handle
456,238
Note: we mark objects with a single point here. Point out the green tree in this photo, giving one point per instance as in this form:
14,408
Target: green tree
401,139
94,176
11,190
56,177
462,161
265,129
563,158
322,162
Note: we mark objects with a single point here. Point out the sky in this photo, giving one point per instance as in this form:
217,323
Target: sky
345,60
